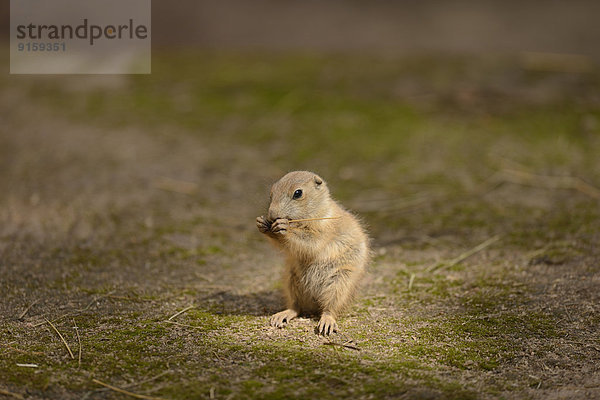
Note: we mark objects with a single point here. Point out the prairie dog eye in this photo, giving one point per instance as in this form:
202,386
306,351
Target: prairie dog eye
297,194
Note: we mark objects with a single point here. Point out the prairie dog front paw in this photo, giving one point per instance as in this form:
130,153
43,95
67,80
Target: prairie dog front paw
280,319
280,226
263,225
327,325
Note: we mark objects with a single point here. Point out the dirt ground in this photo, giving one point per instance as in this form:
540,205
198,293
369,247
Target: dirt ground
127,209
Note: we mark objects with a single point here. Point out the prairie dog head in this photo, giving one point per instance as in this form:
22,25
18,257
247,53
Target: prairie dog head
299,194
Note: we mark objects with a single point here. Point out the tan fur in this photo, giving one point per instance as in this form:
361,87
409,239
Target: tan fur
326,259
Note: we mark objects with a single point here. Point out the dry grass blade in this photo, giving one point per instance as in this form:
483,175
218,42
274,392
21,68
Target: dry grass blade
11,394
177,186
550,182
464,255
411,281
76,312
348,344
155,377
178,313
79,342
131,385
180,324
62,338
34,353
390,206
128,298
128,393
556,62
311,219
20,317
345,345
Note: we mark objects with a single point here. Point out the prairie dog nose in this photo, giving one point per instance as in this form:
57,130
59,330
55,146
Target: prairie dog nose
273,214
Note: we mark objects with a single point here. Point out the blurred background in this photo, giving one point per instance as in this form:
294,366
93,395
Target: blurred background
377,26
444,125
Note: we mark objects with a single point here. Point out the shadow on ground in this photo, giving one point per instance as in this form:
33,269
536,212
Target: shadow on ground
263,303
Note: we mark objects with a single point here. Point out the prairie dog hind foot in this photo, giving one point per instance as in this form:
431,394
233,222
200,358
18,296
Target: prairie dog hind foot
327,325
281,319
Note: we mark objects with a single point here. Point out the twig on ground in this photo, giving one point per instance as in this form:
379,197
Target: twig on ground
334,346
131,385
393,205
556,62
180,312
155,377
20,317
116,389
350,346
558,245
175,185
95,300
348,338
35,353
347,344
568,313
411,281
62,338
79,342
11,394
27,365
76,312
464,255
509,162
311,219
550,182
531,256
591,346
127,298
180,324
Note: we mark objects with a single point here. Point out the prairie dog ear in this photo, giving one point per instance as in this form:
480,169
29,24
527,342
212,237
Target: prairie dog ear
318,180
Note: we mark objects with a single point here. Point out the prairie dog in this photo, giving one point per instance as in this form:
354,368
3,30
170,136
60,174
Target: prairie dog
326,258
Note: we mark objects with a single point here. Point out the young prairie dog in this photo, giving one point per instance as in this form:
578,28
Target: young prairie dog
326,258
